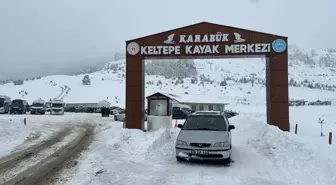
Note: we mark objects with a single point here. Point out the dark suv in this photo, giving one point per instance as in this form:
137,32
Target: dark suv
19,106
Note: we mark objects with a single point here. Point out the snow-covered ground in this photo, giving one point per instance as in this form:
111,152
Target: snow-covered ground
262,154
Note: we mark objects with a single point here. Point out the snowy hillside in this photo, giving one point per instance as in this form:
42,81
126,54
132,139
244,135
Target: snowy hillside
310,71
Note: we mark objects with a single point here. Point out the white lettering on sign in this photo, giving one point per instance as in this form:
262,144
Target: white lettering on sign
248,48
219,37
205,49
160,50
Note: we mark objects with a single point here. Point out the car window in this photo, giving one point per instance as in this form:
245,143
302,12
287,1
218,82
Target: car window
205,122
176,112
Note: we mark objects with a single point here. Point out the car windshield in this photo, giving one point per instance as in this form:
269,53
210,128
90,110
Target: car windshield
57,105
17,102
205,122
2,103
38,104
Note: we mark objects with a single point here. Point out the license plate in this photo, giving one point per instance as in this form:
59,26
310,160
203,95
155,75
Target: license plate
202,152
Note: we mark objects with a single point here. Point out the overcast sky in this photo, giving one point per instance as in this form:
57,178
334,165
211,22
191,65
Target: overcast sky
35,35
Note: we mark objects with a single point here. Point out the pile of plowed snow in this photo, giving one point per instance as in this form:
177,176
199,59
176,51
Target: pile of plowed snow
133,142
292,155
115,151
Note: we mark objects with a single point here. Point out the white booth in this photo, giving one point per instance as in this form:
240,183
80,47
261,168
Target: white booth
159,108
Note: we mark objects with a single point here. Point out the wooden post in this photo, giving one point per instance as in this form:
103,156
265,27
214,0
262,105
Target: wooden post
296,128
330,138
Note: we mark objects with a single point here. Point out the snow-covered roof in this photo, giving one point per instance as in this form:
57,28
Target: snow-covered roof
181,105
104,103
57,101
5,97
167,95
100,102
197,98
39,101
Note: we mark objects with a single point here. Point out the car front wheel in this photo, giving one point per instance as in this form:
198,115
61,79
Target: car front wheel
228,160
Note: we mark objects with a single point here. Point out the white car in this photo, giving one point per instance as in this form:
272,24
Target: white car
57,107
121,116
205,135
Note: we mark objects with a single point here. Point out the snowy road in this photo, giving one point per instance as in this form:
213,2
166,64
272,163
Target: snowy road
37,162
262,155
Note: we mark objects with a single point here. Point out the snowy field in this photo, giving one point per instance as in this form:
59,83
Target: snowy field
262,154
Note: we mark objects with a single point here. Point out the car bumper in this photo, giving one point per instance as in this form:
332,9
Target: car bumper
37,110
56,112
212,154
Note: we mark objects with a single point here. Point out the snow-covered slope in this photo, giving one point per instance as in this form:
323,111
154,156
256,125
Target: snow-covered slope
310,71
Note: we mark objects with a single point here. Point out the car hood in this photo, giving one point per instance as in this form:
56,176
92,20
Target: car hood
203,136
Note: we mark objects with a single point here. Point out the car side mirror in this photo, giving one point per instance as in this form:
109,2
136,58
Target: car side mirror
179,125
231,127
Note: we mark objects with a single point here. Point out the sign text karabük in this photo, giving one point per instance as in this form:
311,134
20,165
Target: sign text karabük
201,45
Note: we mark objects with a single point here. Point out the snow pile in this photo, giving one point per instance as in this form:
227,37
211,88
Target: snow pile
116,151
136,143
298,160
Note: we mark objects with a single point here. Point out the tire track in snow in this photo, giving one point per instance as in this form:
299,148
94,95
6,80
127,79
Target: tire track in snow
30,162
15,158
41,167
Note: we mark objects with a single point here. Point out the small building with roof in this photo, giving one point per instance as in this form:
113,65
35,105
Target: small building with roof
200,102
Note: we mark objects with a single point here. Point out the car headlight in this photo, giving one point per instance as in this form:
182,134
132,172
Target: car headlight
222,144
181,143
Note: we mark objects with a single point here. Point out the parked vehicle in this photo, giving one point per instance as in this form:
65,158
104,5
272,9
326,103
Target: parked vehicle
180,114
205,135
57,107
121,116
5,104
182,107
19,106
115,110
38,107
